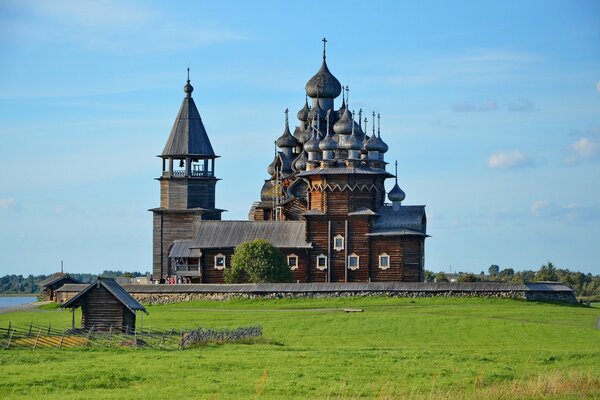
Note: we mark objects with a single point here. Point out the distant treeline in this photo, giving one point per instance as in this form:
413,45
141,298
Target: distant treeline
13,284
584,285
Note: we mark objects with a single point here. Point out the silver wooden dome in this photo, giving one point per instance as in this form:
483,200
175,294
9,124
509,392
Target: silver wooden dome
396,194
323,84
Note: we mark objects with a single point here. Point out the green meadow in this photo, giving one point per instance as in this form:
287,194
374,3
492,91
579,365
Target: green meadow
440,348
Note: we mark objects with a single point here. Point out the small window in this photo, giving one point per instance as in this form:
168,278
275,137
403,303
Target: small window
384,261
292,261
219,261
353,261
338,242
322,262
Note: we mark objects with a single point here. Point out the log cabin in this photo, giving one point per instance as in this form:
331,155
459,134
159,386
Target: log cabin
105,306
50,285
323,205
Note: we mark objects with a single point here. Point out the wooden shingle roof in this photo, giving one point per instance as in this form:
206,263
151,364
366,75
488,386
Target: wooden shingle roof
52,279
114,288
188,135
226,234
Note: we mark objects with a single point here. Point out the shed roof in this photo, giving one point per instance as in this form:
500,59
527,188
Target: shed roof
223,234
52,279
402,220
114,288
181,249
188,135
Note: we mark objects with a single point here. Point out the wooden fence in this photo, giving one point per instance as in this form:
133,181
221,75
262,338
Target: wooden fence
45,337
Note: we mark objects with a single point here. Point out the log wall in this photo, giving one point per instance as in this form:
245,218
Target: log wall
101,311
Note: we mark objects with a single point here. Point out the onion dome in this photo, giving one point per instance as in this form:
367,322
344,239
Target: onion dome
300,162
286,139
371,144
327,143
353,142
382,147
303,113
344,125
271,168
363,149
188,88
339,113
312,146
316,112
304,135
323,84
396,194
297,133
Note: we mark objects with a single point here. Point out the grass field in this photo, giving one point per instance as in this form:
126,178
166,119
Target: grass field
396,348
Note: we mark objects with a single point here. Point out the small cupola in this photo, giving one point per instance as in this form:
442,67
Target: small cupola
286,141
303,113
396,195
328,145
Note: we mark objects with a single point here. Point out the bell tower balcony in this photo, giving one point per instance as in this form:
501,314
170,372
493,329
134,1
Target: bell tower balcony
188,167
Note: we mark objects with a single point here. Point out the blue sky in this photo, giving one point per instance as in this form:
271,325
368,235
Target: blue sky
492,110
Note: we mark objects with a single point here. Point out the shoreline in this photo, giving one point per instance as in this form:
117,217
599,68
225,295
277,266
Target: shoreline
23,307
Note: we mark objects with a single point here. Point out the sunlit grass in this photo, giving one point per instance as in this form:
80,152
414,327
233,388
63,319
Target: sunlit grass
397,348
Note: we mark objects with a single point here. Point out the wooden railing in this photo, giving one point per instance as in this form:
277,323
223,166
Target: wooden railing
186,268
181,172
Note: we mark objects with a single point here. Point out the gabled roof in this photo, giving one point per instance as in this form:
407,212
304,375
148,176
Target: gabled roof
227,234
114,288
188,135
52,279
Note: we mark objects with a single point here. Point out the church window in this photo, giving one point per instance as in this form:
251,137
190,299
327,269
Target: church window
338,242
384,261
219,261
353,261
292,261
322,262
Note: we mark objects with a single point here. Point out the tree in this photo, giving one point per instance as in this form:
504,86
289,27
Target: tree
507,273
493,269
257,261
441,277
429,276
547,273
468,277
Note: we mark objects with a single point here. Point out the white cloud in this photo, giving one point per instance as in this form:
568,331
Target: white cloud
488,105
582,150
539,205
508,160
598,86
5,203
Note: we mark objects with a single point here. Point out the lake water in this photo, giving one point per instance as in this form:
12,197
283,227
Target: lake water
10,301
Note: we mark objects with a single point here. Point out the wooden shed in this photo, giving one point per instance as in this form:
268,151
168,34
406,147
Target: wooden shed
54,282
105,306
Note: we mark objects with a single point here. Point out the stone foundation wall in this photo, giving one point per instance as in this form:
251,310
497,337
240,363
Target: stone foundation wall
168,298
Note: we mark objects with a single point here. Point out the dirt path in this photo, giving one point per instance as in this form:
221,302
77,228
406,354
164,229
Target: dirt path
23,307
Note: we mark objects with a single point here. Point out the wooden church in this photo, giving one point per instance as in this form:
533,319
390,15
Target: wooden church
324,204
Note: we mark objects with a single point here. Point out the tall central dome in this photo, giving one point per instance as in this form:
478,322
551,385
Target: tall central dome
323,84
